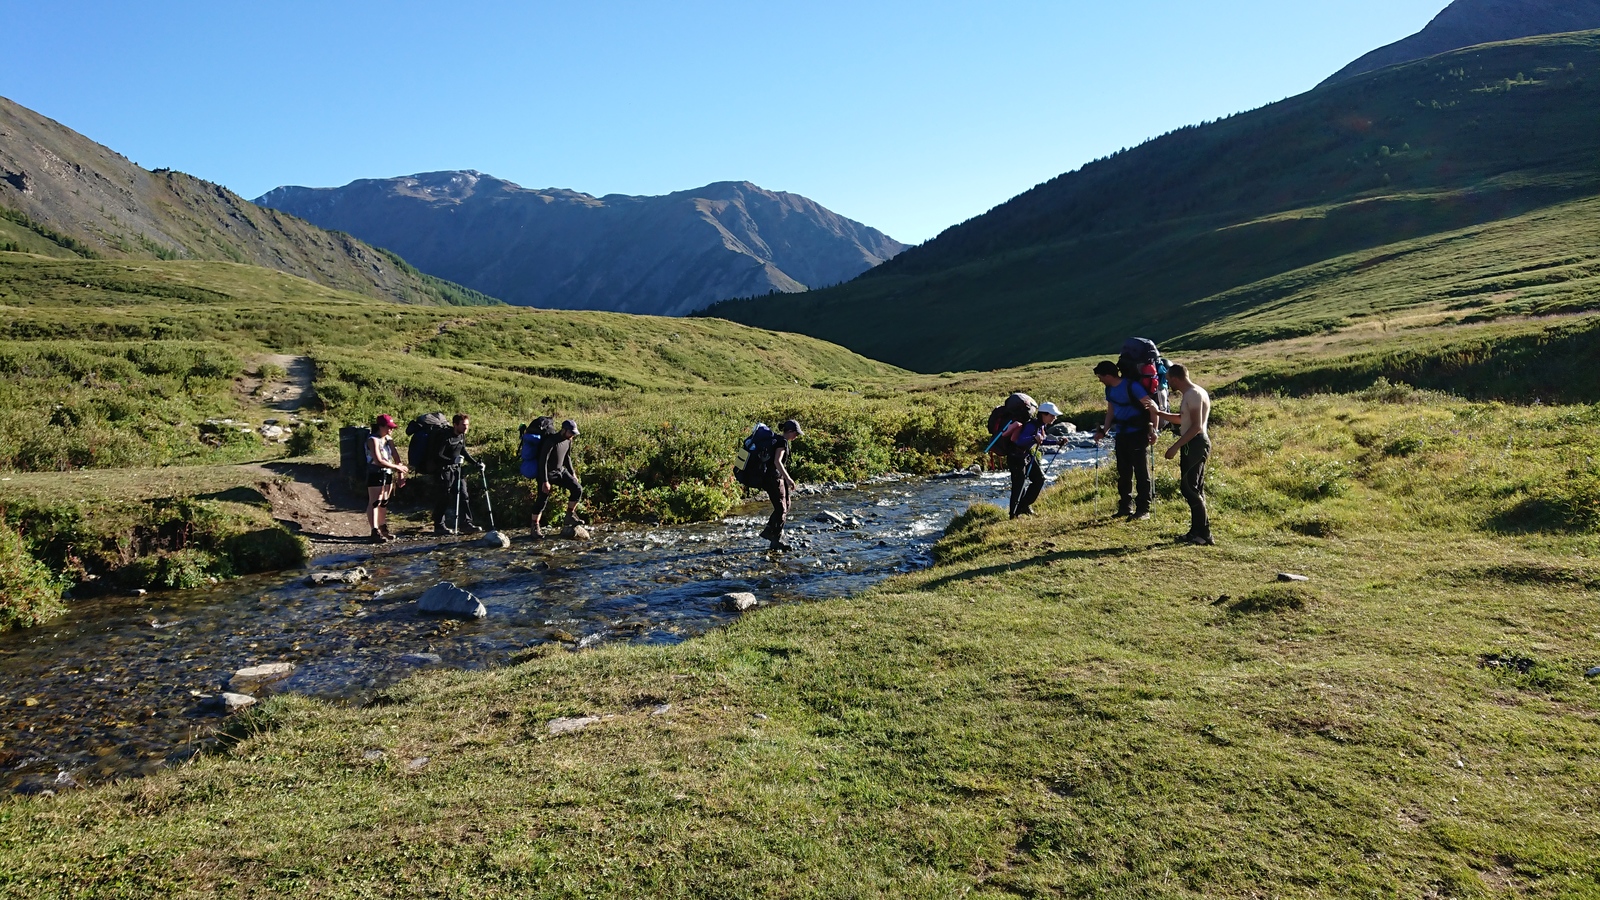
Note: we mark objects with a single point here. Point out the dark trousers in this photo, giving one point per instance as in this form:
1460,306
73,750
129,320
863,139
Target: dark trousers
1192,482
1133,465
779,495
1027,480
564,480
450,484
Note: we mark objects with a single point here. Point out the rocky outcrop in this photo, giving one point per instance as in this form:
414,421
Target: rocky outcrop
555,248
1466,23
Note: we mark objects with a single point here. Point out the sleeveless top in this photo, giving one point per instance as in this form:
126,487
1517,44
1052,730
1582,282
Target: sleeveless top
385,449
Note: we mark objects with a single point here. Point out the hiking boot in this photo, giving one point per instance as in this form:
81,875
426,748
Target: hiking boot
471,529
377,536
781,546
387,536
536,530
1199,541
1023,511
441,529
574,519
1139,516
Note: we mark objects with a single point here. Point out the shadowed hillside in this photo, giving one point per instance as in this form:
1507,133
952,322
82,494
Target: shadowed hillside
1147,240
1465,23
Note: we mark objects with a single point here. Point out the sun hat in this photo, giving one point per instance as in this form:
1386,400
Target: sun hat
1049,408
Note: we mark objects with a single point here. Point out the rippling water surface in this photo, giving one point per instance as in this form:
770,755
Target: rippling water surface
118,686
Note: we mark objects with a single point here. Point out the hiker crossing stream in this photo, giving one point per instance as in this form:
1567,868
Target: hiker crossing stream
122,686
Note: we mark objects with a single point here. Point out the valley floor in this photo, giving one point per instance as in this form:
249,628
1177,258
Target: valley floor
1064,705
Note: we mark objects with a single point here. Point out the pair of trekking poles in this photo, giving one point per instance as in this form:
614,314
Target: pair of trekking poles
461,494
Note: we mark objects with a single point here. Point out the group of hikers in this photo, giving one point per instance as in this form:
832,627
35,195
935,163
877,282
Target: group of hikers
1136,390
441,450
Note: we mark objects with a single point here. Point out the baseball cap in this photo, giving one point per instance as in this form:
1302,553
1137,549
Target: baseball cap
790,425
386,420
1106,367
570,425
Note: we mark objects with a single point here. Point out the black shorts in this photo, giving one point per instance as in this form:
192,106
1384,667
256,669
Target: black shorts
380,477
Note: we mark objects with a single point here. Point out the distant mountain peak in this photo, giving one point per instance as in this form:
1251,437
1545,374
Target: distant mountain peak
668,255
1467,23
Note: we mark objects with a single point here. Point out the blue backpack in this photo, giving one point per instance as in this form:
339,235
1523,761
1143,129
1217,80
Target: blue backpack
533,436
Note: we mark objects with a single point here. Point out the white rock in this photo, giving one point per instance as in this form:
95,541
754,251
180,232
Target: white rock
446,599
569,725
830,517
739,601
234,702
661,710
416,764
251,679
348,576
1286,576
578,533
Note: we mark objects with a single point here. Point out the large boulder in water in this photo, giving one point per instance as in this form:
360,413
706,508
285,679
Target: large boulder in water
445,599
251,680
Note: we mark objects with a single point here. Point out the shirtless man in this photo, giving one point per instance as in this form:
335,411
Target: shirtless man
1195,443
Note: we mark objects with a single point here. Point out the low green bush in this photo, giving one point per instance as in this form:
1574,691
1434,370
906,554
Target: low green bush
29,593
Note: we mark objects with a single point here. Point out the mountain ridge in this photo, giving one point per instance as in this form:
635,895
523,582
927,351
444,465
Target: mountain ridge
1466,23
668,254
63,193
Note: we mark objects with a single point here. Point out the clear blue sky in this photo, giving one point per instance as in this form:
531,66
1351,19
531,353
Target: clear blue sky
909,116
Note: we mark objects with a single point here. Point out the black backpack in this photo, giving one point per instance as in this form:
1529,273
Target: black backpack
428,433
753,463
1019,407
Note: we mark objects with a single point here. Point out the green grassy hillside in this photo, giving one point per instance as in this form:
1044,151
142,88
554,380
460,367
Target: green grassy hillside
1212,222
65,195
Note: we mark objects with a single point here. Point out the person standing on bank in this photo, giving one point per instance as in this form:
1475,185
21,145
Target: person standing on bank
1194,441
1023,440
1136,433
555,470
385,473
452,453
779,484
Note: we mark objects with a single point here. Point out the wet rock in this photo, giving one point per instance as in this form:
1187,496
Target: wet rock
1289,576
829,517
252,679
422,659
1592,673
577,533
347,576
230,702
572,725
496,539
739,601
65,781
853,522
272,432
445,599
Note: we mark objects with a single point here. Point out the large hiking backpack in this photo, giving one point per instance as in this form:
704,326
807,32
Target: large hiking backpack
1018,407
533,435
428,433
1142,362
753,463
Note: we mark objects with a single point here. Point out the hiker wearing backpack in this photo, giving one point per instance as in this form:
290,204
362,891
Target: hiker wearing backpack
778,484
1135,434
1194,442
555,470
1023,441
385,473
448,456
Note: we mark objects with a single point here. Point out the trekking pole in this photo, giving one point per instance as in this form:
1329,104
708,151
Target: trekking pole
461,487
486,504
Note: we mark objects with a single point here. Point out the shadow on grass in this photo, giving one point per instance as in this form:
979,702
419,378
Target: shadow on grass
1044,559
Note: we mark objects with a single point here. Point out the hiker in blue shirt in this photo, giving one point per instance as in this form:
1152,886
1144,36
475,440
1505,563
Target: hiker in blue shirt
1022,441
1136,429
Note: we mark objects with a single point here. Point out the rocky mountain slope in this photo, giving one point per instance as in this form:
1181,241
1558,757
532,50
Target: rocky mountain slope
665,255
63,194
1243,217
1466,23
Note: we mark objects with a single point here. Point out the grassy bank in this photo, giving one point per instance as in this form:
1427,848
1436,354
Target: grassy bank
1063,705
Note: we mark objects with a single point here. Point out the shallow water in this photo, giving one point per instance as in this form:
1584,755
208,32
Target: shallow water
118,686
